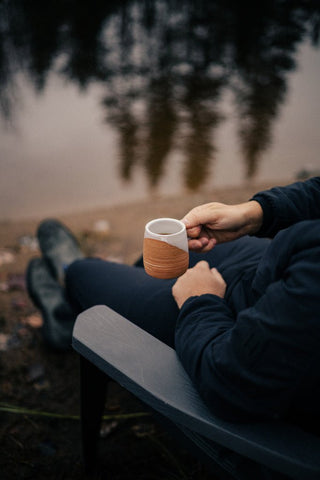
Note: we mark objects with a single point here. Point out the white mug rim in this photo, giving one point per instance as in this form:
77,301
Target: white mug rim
172,220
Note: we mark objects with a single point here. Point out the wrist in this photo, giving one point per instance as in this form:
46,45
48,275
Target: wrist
253,217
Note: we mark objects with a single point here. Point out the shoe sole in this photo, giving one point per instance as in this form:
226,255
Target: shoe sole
30,291
38,304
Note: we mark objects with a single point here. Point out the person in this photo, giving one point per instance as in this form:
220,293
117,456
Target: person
244,318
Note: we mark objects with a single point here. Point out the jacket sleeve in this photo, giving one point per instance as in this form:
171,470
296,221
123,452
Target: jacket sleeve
285,206
254,365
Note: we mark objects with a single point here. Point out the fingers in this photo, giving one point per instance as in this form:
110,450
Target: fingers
194,232
216,273
205,267
199,228
202,265
198,243
202,245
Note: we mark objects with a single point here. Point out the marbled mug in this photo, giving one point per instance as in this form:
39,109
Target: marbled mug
165,248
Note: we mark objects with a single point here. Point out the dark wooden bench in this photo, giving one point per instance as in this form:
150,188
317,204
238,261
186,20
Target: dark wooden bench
111,346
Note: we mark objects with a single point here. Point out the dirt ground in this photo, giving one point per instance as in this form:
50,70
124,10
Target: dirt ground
36,383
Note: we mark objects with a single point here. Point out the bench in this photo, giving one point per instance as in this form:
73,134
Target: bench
112,347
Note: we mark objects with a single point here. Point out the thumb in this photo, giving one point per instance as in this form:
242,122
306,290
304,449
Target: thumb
192,225
200,215
189,220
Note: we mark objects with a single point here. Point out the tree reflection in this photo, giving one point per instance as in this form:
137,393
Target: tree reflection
203,117
264,54
161,118
125,122
164,66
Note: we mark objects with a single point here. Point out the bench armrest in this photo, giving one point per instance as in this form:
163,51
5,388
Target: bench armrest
152,371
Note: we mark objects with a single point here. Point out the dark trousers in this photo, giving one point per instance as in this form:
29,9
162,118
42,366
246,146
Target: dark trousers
148,301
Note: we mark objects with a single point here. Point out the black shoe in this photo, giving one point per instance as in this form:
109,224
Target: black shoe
49,297
59,247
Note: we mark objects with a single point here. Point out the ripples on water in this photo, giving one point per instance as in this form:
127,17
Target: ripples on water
106,101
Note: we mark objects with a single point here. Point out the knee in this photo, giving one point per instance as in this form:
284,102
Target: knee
77,279
73,271
78,270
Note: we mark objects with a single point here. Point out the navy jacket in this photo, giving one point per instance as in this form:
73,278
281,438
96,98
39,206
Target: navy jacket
260,358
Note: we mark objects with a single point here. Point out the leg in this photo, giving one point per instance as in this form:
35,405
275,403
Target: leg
144,300
247,249
148,301
242,253
239,254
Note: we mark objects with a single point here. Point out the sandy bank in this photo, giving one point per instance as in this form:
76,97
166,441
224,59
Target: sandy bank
126,222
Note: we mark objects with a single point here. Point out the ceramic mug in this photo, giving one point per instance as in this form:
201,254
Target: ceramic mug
165,248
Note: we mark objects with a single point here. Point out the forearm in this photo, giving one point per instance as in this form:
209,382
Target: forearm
245,368
203,333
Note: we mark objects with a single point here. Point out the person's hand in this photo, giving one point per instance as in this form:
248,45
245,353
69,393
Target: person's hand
197,281
214,223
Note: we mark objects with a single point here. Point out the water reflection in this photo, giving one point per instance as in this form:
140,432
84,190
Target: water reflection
164,66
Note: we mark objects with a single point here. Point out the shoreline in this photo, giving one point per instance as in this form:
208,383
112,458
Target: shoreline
126,222
239,190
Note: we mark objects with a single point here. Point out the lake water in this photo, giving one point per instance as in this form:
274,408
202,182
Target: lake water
145,99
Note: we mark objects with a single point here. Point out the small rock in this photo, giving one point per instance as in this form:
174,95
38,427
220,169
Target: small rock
101,226
29,242
18,303
41,384
23,332
35,372
34,321
143,430
6,256
4,287
113,407
47,448
13,342
4,342
16,281
108,428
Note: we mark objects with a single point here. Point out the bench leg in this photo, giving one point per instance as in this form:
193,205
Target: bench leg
93,395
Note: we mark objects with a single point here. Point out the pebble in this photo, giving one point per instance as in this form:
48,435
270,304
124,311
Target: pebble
16,281
35,372
6,257
3,342
47,448
34,321
29,242
108,428
101,226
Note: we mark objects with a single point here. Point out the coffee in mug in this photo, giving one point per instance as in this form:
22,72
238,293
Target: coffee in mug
165,248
